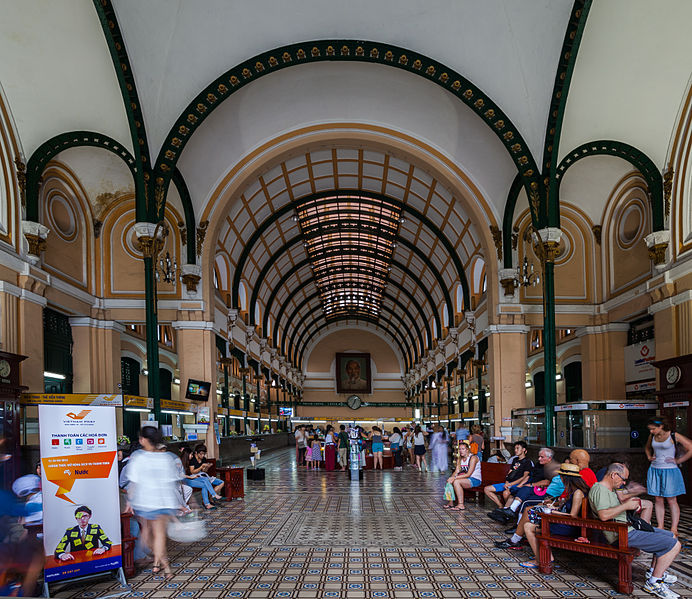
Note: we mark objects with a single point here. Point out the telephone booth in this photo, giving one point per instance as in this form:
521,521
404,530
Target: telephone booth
674,395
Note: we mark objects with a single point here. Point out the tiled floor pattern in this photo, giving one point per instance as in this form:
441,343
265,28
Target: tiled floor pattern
317,534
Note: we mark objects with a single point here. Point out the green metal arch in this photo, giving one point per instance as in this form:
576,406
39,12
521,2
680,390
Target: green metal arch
298,239
190,223
298,359
131,104
257,234
508,220
637,158
400,287
49,149
395,333
395,302
250,70
558,103
305,262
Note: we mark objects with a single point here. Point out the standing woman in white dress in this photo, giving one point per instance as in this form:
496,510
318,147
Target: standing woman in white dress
154,478
664,478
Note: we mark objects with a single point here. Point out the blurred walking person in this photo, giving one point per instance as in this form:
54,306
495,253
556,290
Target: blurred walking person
154,478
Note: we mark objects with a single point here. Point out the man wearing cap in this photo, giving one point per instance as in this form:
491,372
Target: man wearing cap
607,505
83,537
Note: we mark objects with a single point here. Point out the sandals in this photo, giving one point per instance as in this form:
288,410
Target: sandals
447,507
210,507
458,508
532,565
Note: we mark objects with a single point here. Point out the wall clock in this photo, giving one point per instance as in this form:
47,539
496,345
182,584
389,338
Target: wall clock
354,402
5,368
673,375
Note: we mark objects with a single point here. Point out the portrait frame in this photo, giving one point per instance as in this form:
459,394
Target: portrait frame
363,381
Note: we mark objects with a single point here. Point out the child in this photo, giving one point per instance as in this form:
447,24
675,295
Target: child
308,454
316,453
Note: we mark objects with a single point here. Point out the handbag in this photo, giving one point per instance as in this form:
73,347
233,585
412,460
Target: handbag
449,494
187,529
637,522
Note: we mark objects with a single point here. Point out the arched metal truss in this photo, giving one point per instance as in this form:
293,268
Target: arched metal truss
212,96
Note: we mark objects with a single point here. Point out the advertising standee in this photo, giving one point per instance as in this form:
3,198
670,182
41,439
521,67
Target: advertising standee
81,505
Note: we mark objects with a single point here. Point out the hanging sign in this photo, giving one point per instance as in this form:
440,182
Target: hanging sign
631,406
180,406
641,386
135,401
676,404
71,399
571,406
81,501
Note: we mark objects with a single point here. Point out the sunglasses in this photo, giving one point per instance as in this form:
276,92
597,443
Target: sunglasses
622,478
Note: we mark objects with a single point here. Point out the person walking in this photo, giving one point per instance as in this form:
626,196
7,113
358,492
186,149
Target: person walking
478,439
343,447
419,448
439,449
153,478
330,449
395,441
408,439
664,479
301,444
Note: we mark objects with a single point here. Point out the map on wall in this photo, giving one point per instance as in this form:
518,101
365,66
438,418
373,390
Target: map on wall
353,373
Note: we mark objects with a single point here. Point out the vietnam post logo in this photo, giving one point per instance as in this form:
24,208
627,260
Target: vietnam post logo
79,416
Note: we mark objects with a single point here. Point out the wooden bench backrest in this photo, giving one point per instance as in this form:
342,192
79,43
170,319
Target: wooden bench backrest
494,473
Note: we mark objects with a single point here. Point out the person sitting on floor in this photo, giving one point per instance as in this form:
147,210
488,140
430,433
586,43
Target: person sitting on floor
664,546
533,488
518,475
569,504
466,475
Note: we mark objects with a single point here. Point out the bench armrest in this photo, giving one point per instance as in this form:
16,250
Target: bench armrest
586,523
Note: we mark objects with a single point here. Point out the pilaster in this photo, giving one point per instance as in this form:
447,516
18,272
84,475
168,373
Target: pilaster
506,372
96,355
602,363
196,342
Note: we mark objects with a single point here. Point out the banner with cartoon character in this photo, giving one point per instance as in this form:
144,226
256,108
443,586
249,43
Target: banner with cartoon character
81,504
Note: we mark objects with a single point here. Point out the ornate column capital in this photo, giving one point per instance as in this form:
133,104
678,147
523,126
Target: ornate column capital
657,243
550,238
190,276
150,237
509,279
35,234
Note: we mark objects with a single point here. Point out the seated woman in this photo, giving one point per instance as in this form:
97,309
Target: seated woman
466,475
198,480
569,504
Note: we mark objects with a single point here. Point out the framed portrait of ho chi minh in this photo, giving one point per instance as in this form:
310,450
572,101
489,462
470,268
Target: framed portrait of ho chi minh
353,373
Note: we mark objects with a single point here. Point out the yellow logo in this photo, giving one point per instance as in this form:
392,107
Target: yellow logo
79,416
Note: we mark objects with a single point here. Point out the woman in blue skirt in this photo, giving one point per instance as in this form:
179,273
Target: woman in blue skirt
664,478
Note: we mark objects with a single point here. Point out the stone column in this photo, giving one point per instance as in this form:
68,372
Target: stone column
672,325
602,361
9,317
96,355
196,343
506,372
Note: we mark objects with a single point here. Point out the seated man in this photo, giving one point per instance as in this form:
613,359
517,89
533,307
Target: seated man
534,488
606,505
83,537
518,475
198,465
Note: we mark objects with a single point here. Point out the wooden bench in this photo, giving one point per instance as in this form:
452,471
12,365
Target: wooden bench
491,474
619,551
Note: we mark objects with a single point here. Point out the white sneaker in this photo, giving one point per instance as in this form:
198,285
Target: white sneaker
660,589
668,578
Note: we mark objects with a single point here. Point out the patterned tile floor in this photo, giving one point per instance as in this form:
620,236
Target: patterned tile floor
315,534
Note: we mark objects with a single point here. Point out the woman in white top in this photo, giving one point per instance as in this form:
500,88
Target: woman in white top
419,447
153,495
664,478
466,475
395,441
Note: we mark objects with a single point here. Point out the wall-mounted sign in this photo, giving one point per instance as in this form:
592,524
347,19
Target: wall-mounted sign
631,406
639,360
71,399
203,416
566,407
676,404
640,386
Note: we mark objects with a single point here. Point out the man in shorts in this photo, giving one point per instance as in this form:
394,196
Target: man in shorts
518,475
606,504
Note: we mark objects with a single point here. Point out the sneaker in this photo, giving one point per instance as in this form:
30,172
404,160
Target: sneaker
660,589
507,544
668,578
498,515
511,531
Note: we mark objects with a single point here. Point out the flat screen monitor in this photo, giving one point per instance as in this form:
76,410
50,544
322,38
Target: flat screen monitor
285,411
198,390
